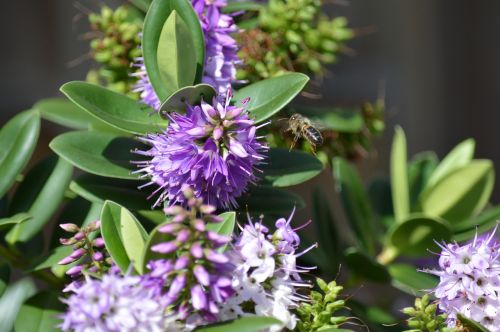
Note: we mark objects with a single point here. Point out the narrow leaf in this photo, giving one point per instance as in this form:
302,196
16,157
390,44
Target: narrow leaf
406,278
399,177
18,140
40,313
12,300
243,324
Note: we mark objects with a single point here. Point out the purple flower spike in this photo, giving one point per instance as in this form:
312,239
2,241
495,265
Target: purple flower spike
198,297
144,86
470,281
217,170
165,247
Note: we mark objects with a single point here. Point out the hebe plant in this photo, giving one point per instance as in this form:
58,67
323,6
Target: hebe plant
116,45
423,316
292,35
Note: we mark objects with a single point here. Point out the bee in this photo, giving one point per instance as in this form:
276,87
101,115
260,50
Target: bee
300,126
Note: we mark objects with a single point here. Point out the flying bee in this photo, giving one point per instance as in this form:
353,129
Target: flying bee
300,126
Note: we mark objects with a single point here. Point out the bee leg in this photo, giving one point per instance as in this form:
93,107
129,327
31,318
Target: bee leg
313,149
295,139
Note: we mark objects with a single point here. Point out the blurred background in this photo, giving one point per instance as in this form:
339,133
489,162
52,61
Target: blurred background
439,62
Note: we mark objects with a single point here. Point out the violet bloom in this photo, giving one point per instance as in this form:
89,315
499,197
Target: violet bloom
116,303
266,279
143,85
220,48
470,281
213,149
195,275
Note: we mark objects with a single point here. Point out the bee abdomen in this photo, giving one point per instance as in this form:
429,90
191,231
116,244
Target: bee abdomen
313,135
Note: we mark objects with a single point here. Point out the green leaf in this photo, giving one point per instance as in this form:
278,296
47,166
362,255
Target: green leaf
123,235
460,156
470,325
399,176
285,168
269,201
18,139
269,96
115,109
40,194
152,41
98,189
407,279
14,220
39,313
344,120
420,170
484,222
355,202
101,154
176,54
142,4
243,324
53,258
188,94
64,113
365,267
416,235
463,192
12,300
225,227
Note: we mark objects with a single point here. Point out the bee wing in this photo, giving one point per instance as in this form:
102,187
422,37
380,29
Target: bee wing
318,124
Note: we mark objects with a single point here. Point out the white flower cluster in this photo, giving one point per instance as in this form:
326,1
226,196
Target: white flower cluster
266,274
470,282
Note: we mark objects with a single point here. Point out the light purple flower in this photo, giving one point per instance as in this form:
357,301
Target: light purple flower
212,149
197,279
116,303
469,281
266,278
144,86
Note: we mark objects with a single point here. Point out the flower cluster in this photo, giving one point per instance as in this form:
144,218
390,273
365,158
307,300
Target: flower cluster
88,250
266,277
220,48
194,273
470,281
116,303
423,317
212,148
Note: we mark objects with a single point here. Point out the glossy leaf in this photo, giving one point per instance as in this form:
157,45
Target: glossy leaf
420,170
285,168
408,279
269,96
152,43
14,220
40,194
176,54
269,200
463,192
18,139
344,120
365,267
113,108
243,324
52,258
189,94
416,235
399,177
355,202
64,113
470,325
12,300
98,189
101,154
226,226
460,156
123,235
40,313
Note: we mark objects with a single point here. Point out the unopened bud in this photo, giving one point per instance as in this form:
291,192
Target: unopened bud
68,227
